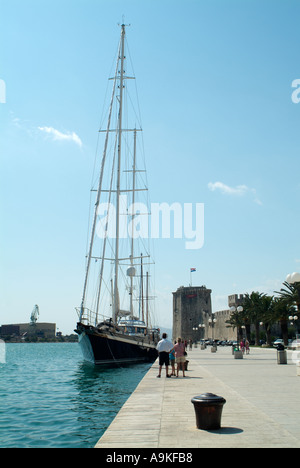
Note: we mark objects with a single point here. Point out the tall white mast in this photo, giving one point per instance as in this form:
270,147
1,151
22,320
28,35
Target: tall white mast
117,164
90,252
116,305
132,215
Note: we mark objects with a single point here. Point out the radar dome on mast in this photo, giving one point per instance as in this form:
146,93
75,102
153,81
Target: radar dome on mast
131,271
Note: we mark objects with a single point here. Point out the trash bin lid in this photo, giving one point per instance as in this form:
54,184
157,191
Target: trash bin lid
208,397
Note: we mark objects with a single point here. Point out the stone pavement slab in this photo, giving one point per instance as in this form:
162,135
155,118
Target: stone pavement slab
262,404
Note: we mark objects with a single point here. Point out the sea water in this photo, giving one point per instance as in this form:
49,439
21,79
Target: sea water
50,397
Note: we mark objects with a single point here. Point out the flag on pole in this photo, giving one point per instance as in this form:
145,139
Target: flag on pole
192,270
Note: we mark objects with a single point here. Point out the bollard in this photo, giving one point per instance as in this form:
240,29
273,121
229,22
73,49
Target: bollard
238,354
208,410
281,356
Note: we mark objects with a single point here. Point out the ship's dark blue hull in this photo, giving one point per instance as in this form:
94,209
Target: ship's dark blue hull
111,350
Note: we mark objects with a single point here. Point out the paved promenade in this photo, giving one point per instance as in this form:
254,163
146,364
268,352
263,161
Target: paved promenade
262,404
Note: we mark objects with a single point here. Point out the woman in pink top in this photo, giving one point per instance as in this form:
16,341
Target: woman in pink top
180,357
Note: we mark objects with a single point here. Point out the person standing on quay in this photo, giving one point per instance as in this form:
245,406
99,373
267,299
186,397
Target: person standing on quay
180,357
164,347
172,361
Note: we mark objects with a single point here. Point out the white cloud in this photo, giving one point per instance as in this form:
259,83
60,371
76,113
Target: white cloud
57,135
239,190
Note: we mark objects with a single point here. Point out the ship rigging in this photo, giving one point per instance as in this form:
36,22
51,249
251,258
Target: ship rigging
115,324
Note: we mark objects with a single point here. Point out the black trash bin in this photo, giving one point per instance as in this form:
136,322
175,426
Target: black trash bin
208,409
281,354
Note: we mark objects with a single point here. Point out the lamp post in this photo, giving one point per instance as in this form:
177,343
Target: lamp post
294,278
292,319
212,322
238,309
238,354
202,326
198,329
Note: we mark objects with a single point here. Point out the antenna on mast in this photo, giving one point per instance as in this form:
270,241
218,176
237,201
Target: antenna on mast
123,22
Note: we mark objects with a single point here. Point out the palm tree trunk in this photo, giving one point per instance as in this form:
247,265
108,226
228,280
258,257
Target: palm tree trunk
256,333
268,333
284,331
248,332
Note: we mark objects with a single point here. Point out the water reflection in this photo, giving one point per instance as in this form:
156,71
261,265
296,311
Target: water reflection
99,395
51,398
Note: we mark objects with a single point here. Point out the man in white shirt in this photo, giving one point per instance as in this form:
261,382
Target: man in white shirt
164,347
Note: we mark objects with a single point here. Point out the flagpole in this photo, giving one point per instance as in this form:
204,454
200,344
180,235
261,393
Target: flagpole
192,270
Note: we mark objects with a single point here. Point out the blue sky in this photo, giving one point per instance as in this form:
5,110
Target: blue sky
220,128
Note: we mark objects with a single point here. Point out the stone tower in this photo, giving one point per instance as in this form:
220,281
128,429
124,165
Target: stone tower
191,307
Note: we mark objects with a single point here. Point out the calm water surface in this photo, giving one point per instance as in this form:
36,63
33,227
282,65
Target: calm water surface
49,397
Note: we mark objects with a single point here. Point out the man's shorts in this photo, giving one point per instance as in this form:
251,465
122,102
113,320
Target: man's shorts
163,358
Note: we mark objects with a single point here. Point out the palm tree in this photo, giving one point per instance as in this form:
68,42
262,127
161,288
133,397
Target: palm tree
236,321
256,309
268,318
291,295
282,309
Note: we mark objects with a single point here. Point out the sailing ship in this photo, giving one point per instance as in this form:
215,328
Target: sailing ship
114,326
